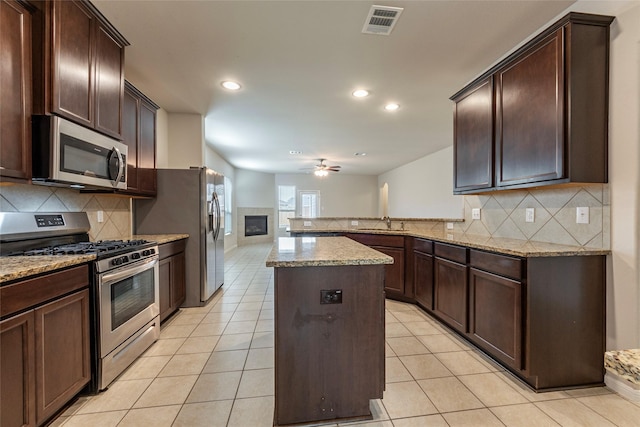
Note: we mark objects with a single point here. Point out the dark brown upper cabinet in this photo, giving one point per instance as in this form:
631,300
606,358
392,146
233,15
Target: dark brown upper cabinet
15,87
78,65
548,109
139,133
473,137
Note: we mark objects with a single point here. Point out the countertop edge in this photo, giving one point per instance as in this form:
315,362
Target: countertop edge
161,238
14,268
487,243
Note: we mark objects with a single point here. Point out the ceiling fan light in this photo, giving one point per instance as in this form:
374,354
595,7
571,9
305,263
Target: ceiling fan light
321,173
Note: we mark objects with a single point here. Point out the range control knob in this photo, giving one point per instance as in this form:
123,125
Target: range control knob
152,251
135,255
125,259
146,252
116,261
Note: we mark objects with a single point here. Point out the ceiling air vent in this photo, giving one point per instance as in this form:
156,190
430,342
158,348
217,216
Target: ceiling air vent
381,20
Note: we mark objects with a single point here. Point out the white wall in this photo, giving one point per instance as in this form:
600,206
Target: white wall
255,189
340,195
186,140
424,188
162,139
623,284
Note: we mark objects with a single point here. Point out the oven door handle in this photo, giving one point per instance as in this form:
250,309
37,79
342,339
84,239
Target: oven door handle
129,271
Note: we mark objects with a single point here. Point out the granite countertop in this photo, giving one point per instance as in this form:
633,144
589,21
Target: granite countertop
160,238
20,267
522,248
323,251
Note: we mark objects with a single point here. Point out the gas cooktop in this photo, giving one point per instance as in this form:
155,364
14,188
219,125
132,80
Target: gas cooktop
100,248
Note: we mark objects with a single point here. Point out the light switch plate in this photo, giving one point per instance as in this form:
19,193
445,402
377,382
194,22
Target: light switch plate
582,215
100,215
307,223
449,226
530,215
475,213
354,222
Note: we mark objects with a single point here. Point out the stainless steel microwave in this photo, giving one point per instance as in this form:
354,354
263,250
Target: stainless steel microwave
68,154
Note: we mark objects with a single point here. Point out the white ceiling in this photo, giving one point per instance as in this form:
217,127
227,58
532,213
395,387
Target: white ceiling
299,61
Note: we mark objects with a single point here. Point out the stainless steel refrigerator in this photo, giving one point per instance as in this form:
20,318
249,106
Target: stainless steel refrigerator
190,201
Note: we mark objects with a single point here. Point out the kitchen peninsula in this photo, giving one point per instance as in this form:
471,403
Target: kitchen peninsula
329,329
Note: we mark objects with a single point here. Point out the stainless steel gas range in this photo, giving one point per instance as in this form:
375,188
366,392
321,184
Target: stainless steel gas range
124,288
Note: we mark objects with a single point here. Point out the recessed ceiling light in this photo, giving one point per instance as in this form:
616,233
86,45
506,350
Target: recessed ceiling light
391,107
360,93
230,85
295,152
359,154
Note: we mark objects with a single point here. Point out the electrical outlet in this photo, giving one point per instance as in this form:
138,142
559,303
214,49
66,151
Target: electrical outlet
100,215
307,223
475,213
449,226
354,222
582,215
530,215
449,236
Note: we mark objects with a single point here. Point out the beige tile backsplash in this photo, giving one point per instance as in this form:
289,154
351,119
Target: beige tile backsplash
35,198
503,215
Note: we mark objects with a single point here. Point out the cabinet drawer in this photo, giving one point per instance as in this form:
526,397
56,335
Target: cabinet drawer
425,246
168,249
497,264
378,240
28,293
451,252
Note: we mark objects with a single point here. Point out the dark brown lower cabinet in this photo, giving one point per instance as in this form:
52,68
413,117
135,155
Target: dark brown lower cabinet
17,370
395,284
62,352
450,293
329,358
495,316
44,351
423,278
172,277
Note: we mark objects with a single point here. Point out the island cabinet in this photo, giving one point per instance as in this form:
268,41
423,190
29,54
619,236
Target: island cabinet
422,269
395,284
139,134
329,310
172,277
450,285
329,356
78,65
44,345
15,87
547,104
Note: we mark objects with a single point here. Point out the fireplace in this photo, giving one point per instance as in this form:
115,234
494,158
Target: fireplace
255,225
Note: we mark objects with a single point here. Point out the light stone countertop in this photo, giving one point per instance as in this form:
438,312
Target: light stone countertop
160,238
522,248
323,251
20,267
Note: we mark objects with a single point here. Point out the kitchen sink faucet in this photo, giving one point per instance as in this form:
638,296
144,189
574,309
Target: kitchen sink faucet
387,220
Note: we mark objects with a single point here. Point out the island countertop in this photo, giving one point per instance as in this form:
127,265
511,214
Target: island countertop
323,251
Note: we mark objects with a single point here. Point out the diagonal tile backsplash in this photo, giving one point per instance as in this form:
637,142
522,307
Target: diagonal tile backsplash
35,198
503,215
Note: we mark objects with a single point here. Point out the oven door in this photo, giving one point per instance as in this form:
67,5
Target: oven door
128,301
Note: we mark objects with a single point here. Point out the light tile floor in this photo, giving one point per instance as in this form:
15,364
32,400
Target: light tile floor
214,366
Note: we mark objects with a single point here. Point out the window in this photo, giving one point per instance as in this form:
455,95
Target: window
228,213
309,204
286,204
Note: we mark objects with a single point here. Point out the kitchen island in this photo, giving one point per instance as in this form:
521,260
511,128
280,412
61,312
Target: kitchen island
329,329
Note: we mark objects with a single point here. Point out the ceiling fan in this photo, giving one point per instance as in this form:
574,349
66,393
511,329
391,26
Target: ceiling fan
321,169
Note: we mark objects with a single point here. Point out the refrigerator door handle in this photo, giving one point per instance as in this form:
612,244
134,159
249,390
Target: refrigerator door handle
216,203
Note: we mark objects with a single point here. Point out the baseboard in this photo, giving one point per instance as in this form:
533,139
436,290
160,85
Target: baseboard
623,387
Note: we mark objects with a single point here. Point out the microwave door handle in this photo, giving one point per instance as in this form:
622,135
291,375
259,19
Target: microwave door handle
120,166
116,151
